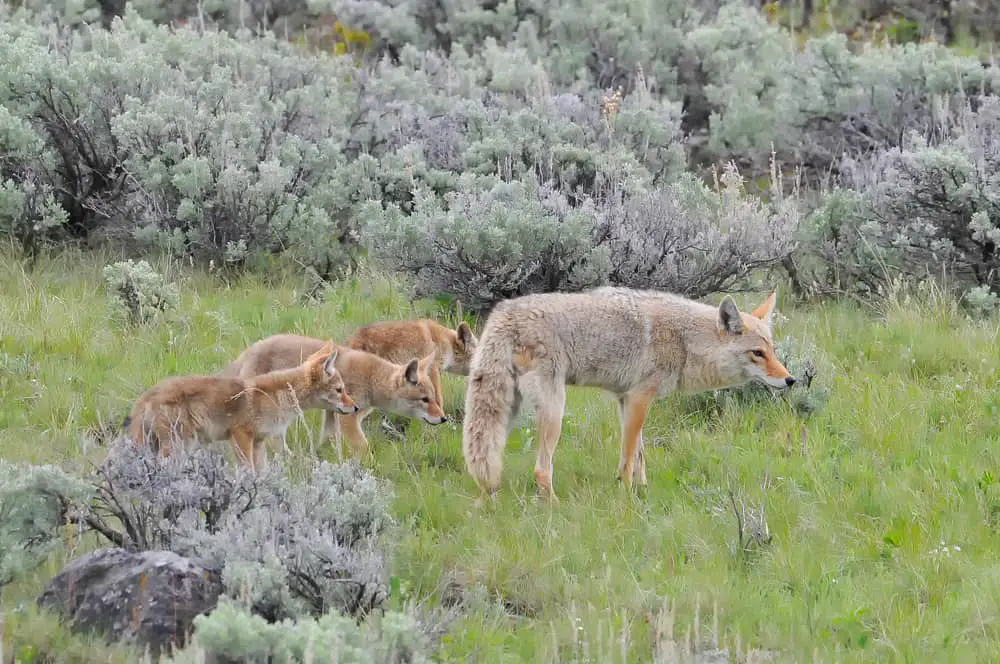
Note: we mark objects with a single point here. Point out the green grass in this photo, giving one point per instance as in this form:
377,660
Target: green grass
858,496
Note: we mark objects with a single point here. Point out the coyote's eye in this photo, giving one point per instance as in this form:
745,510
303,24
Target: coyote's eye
757,353
426,400
339,390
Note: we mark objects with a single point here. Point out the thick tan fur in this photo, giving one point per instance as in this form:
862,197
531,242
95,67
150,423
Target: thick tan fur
205,409
373,382
637,345
400,341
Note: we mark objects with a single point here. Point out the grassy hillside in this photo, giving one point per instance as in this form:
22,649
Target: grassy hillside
882,508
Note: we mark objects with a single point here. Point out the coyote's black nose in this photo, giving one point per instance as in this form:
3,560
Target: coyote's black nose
444,418
790,381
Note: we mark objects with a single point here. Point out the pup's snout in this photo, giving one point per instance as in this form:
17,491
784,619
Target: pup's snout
790,381
444,418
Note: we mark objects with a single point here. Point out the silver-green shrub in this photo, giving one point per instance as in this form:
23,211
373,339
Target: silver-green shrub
30,213
746,84
204,144
231,634
428,119
982,301
577,41
219,146
286,548
496,239
140,292
231,15
223,146
482,245
35,502
929,207
694,240
236,147
57,110
301,560
817,103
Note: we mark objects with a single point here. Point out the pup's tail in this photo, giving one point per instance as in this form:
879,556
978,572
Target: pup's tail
491,401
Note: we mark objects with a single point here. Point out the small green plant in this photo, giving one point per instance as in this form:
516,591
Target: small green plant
140,291
982,301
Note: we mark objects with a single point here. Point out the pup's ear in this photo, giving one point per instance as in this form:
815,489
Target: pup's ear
465,336
329,367
410,372
317,358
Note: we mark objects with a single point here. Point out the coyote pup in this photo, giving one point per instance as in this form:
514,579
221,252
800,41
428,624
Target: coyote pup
401,340
372,382
206,409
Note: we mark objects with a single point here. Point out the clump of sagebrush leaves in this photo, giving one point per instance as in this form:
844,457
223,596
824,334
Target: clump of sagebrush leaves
35,502
140,292
230,633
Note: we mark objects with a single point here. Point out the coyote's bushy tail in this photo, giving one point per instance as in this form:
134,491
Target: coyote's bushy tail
491,400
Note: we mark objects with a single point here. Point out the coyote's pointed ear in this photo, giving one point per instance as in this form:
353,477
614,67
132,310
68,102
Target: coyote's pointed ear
765,310
410,372
464,334
729,317
320,355
329,366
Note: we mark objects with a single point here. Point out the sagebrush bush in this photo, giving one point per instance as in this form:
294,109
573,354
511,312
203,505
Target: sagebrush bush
35,502
232,15
597,44
428,119
746,85
204,144
139,291
816,104
231,634
303,571
486,245
982,301
164,136
68,87
237,148
30,213
286,549
483,245
926,208
692,240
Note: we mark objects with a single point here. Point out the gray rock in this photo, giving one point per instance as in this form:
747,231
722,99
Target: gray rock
146,599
